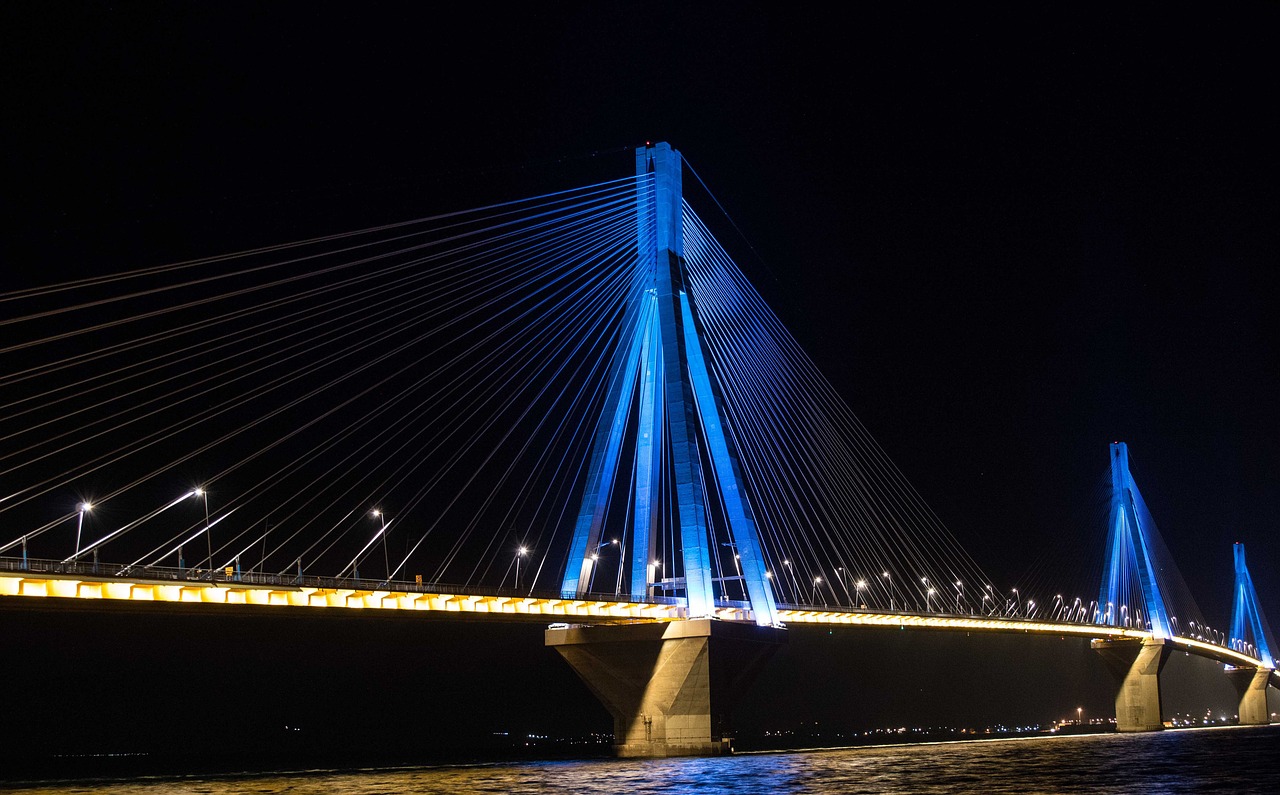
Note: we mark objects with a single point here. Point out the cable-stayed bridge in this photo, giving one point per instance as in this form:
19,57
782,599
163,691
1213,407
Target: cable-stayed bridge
573,409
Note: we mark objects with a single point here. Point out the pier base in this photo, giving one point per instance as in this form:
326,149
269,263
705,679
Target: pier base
669,686
1251,685
1136,666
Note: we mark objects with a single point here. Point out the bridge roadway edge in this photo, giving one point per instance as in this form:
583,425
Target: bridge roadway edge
31,587
30,600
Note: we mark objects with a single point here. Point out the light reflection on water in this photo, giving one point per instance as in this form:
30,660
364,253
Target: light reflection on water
1223,760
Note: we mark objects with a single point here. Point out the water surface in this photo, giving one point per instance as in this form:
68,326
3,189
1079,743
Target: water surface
1235,760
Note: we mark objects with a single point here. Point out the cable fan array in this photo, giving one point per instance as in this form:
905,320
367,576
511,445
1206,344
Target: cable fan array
418,401
1122,599
435,371
841,524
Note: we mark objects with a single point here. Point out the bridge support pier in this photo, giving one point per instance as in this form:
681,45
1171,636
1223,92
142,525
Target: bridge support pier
669,686
1136,665
1251,685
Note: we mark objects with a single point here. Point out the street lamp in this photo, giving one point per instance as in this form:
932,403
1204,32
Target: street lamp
520,553
927,595
386,558
653,574
84,507
857,589
208,538
816,582
354,565
888,587
795,581
595,559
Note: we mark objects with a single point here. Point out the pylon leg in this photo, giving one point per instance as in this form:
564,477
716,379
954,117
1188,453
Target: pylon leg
669,686
1136,666
1251,686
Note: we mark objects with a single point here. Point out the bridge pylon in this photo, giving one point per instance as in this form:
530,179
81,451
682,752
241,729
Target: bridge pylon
1135,663
1130,556
669,686
663,365
1250,634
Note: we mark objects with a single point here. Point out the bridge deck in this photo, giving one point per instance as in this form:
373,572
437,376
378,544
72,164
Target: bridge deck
539,608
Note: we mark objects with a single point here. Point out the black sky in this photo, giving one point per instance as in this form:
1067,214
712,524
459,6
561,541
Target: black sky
1008,235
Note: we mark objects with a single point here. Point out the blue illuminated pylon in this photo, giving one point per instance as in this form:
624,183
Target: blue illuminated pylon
1246,614
677,399
1129,552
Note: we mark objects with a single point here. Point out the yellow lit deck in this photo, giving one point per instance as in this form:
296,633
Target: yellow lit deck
982,624
234,593
23,584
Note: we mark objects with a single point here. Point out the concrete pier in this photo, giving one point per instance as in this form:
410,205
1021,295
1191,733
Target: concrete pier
1136,666
669,686
1251,685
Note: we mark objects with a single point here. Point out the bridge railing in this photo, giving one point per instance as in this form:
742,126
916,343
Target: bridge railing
230,577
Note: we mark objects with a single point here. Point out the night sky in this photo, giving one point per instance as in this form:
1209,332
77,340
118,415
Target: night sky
1008,237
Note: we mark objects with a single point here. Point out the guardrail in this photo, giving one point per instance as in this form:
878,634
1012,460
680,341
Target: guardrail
229,576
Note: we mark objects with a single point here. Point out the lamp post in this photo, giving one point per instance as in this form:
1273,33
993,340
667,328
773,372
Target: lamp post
959,594
795,581
207,535
386,557
816,582
888,587
858,588
376,514
595,560
85,507
354,565
520,553
927,596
